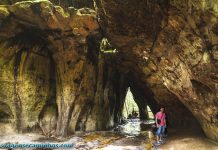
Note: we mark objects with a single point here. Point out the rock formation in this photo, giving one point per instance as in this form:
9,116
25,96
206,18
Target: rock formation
53,74
171,48
58,76
62,3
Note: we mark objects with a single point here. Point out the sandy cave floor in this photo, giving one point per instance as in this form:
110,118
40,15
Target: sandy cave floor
130,137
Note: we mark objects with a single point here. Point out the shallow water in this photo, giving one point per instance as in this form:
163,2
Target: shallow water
134,127
133,135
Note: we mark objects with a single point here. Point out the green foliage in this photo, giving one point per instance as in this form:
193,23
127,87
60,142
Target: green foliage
129,105
106,47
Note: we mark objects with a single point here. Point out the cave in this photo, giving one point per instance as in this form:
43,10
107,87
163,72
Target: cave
67,66
133,108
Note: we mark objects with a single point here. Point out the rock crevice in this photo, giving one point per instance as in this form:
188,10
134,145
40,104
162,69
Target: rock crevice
55,77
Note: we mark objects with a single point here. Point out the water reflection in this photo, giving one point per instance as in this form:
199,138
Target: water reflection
134,127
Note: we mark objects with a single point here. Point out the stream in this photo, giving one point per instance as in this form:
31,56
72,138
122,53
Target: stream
132,135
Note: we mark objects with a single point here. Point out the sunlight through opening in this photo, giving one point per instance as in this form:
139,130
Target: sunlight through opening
130,108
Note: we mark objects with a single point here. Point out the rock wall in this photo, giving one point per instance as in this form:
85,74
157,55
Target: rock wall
62,3
170,46
53,75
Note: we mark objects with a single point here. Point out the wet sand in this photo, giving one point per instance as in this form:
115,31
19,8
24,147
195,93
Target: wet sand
129,137
181,139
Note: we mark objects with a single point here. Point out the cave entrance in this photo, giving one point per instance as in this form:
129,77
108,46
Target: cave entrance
131,109
133,113
150,113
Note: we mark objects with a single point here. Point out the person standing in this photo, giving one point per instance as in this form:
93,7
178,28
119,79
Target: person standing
160,120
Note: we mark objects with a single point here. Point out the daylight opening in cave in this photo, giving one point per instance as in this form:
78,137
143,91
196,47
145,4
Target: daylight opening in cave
131,109
95,73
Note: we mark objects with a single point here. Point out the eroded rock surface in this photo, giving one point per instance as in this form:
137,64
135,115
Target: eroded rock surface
171,46
55,77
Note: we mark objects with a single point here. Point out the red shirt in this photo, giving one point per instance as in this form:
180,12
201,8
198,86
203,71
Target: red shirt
162,117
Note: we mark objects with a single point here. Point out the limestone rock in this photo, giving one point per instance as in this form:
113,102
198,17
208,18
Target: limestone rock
170,48
30,62
54,75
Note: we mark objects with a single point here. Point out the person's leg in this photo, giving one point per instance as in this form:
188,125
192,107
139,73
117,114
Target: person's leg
157,138
161,133
158,133
160,137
